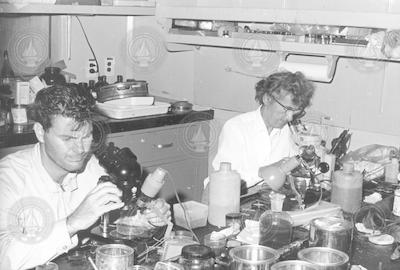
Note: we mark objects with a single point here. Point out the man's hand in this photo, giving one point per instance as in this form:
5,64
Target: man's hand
102,199
159,214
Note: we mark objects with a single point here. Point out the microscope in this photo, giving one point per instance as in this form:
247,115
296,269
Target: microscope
304,180
126,173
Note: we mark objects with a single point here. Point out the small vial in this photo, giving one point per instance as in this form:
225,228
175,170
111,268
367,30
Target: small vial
396,202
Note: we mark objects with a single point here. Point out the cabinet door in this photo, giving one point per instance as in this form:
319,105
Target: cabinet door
186,176
149,145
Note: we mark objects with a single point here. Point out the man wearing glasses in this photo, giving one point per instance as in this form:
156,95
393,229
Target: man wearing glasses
255,139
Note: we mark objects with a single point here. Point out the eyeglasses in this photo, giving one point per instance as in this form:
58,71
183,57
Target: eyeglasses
297,113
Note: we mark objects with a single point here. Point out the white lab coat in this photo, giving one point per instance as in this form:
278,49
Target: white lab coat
33,208
245,143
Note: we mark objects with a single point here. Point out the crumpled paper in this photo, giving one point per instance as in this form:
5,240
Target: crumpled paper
251,233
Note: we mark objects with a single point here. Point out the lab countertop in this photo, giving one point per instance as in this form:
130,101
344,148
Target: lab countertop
18,135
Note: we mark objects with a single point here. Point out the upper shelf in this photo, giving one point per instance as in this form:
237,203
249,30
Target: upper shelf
76,10
321,17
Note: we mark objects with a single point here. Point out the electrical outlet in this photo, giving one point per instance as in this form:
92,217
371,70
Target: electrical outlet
92,70
109,66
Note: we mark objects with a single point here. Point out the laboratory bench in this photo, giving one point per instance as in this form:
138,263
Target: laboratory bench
366,254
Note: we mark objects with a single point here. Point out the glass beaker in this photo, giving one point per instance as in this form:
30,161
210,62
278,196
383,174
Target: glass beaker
275,229
114,257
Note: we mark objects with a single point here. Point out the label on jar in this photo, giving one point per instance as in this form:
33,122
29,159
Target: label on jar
19,115
396,203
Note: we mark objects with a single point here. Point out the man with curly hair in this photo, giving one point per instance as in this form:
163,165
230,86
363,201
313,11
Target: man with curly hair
256,139
50,192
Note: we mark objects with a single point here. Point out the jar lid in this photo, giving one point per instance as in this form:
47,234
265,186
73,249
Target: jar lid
196,252
233,215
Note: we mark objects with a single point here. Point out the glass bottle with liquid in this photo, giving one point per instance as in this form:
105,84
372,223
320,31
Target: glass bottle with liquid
6,75
120,79
347,188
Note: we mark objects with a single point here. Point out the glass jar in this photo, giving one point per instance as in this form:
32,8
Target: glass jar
197,257
53,76
275,229
19,114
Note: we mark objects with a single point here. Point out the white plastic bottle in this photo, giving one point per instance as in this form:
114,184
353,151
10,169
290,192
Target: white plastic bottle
224,195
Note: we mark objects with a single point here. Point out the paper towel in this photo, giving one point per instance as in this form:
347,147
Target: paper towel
314,72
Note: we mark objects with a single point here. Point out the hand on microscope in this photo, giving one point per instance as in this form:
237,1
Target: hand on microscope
103,198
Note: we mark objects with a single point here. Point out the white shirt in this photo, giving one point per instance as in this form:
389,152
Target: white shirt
245,143
33,208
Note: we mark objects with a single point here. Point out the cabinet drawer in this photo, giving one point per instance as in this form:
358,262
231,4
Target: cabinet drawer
150,145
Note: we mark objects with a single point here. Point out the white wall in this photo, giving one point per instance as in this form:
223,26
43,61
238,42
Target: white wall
171,76
363,96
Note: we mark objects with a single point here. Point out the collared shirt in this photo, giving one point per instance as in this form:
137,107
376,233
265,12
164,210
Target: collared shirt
245,142
34,208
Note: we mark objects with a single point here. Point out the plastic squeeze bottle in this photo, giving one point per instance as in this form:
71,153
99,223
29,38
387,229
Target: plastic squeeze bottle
347,188
224,195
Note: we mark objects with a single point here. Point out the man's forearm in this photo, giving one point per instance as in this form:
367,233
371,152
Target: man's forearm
72,230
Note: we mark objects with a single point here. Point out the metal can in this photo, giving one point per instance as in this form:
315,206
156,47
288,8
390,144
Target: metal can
396,202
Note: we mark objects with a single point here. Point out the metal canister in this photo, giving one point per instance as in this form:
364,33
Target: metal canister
197,257
325,258
331,232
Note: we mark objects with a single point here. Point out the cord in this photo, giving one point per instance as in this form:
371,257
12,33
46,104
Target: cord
180,203
230,69
90,46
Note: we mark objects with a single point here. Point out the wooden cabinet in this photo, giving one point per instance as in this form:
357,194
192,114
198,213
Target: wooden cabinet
179,149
